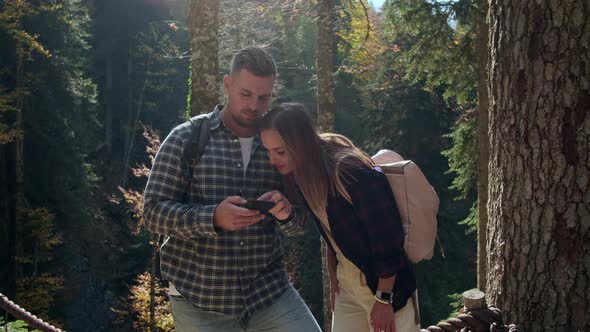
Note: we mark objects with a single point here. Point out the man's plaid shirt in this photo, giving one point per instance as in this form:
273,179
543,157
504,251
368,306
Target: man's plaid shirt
229,272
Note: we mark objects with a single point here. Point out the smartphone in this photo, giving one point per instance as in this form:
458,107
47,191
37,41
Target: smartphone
262,206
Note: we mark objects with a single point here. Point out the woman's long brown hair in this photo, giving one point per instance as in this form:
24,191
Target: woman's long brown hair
322,162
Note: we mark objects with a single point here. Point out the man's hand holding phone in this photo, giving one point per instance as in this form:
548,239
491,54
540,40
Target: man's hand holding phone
235,213
230,215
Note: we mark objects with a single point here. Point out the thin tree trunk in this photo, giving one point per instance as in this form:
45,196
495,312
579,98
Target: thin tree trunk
326,99
108,99
539,183
326,109
9,215
129,125
483,144
19,159
205,79
133,124
153,276
326,288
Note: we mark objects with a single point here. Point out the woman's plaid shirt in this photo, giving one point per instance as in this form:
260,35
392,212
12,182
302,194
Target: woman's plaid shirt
229,272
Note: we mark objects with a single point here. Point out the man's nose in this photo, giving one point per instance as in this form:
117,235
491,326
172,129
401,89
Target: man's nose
253,103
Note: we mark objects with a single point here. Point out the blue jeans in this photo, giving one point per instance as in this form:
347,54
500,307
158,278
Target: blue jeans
288,314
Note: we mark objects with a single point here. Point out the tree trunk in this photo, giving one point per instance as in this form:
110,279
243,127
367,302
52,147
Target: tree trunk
7,205
19,159
108,124
326,99
205,79
153,276
326,109
129,125
133,123
326,288
539,183
483,143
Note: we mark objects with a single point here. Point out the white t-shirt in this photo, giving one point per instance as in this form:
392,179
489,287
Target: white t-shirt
246,146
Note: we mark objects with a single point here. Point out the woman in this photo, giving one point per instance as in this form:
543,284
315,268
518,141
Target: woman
371,279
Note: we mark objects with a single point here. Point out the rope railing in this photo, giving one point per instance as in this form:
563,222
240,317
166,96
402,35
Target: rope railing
16,311
476,316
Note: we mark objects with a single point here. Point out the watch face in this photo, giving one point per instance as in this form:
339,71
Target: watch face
386,296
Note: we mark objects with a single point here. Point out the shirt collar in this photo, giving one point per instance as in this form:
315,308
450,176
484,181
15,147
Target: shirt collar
215,120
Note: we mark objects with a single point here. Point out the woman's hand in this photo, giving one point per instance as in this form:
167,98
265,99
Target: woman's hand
383,317
282,209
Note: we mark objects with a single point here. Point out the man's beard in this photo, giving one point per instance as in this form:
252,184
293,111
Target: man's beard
246,124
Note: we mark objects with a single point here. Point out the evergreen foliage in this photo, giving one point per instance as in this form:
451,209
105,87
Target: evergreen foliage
462,156
437,44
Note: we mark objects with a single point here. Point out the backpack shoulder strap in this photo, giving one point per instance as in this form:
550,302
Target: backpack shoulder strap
194,148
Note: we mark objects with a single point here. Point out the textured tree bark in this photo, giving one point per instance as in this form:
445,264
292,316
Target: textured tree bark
482,142
205,79
326,109
326,99
539,183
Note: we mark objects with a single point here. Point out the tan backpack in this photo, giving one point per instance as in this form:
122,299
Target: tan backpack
416,200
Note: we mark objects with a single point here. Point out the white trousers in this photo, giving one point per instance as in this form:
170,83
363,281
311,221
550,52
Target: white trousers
353,304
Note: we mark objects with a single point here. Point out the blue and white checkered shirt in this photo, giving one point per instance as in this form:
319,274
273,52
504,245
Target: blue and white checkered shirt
229,272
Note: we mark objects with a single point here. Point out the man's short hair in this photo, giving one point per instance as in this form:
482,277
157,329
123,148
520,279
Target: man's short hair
255,60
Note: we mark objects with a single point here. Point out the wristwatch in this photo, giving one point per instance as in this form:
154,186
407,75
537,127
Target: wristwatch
384,297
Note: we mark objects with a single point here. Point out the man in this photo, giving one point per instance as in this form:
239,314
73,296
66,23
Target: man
225,262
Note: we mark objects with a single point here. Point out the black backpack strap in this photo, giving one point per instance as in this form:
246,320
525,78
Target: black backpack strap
194,148
198,141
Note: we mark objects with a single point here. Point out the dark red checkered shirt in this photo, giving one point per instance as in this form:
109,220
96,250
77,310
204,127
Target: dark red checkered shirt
369,231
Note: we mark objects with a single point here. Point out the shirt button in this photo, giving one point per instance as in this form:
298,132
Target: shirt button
241,269
241,243
235,139
239,165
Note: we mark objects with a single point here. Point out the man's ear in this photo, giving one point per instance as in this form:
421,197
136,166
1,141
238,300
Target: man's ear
227,81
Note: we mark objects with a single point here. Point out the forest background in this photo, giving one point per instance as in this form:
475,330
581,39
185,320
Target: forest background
89,87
